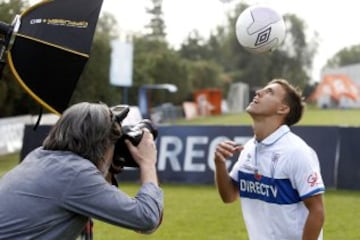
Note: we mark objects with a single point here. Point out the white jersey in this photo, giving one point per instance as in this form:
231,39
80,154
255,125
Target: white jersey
274,176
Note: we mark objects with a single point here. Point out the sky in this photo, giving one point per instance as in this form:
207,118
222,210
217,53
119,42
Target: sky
337,22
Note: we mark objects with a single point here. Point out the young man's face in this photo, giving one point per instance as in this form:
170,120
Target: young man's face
268,101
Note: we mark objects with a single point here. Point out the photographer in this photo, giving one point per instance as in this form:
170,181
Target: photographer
59,186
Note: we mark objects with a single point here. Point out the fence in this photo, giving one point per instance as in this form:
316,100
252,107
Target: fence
185,153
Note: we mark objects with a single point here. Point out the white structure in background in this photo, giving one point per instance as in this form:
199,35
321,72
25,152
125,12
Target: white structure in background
352,71
121,67
204,106
238,97
12,130
339,87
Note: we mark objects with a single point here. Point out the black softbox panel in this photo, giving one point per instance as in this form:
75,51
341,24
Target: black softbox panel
51,47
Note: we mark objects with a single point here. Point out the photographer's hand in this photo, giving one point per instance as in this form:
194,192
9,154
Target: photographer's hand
145,156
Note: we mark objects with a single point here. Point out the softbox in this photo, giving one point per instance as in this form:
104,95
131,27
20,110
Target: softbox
49,47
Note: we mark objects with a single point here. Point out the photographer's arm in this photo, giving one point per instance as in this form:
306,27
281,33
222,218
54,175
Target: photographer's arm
145,155
90,195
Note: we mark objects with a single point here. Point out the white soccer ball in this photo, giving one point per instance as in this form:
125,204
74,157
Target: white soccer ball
260,29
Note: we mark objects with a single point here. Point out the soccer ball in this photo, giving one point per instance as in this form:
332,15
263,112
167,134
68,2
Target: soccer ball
260,29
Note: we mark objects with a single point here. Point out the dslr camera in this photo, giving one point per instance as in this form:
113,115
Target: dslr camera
133,133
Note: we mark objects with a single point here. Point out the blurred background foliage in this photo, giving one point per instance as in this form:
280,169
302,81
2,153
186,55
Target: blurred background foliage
214,62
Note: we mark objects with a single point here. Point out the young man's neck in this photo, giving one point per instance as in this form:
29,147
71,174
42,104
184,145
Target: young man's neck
263,127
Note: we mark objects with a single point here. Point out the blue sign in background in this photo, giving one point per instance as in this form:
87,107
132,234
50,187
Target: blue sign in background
185,153
326,142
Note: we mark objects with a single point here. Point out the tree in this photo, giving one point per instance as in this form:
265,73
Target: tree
155,63
299,51
204,62
157,24
205,74
346,56
194,47
13,100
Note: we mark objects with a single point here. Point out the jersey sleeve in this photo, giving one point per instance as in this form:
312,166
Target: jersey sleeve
305,173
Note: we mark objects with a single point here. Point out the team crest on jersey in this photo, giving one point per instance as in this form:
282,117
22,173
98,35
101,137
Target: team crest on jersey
313,179
274,160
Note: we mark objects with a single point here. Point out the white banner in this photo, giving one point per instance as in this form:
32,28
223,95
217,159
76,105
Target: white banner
121,66
12,130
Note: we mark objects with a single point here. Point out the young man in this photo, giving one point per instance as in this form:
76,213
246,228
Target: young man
277,175
54,191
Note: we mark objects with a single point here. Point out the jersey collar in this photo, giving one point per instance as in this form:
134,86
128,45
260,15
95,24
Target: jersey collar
272,138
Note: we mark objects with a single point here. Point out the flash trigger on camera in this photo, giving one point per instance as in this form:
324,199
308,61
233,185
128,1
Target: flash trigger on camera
120,112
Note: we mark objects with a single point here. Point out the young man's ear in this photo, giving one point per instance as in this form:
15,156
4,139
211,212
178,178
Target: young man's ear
283,109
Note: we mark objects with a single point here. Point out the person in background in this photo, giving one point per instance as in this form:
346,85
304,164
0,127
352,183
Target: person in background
277,176
60,186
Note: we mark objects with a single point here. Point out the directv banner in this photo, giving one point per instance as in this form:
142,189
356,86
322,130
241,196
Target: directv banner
186,153
348,166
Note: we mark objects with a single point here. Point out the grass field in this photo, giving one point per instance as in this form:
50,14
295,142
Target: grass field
312,116
195,212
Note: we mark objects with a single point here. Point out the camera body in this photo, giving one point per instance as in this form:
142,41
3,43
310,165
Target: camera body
133,133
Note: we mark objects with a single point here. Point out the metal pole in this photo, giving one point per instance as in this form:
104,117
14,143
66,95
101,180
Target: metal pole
125,95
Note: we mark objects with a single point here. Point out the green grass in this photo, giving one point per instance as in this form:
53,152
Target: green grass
7,162
195,212
312,116
191,212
